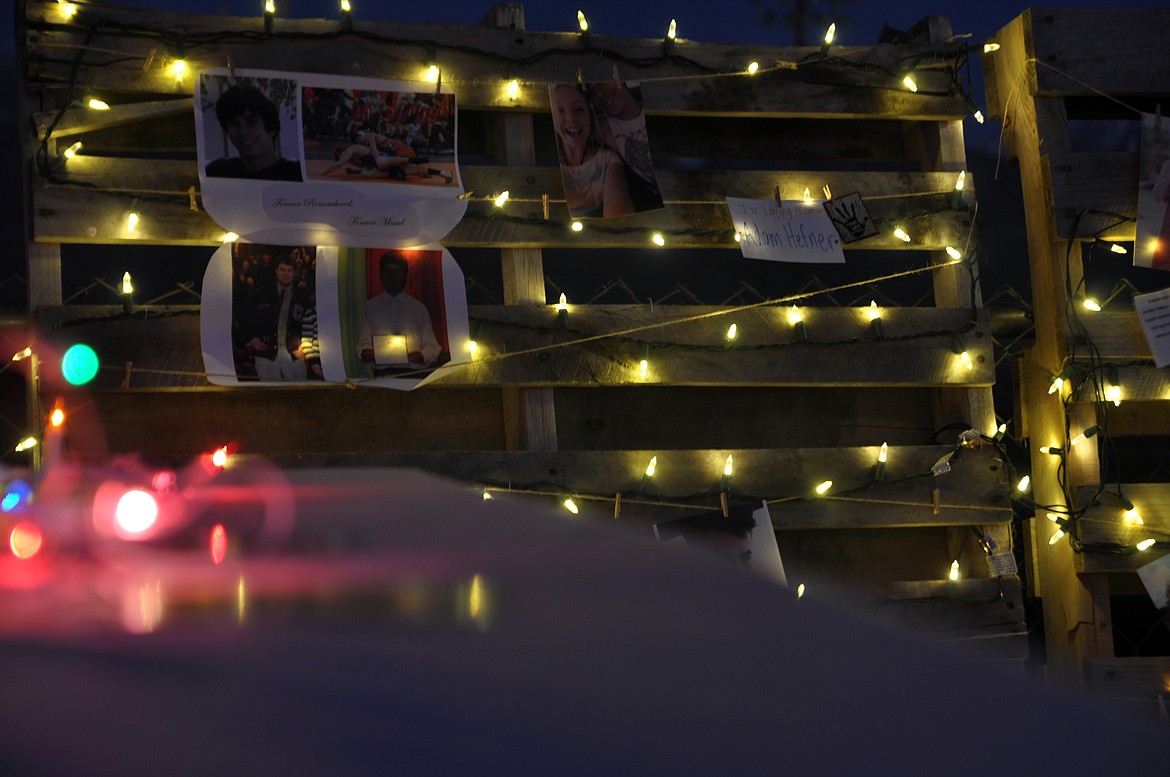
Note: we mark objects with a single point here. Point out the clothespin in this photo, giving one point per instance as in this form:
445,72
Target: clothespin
617,505
724,505
126,375
777,195
828,192
544,205
581,80
191,199
231,70
934,506
616,79
439,83
149,59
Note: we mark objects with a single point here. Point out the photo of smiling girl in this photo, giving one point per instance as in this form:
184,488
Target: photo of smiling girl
594,176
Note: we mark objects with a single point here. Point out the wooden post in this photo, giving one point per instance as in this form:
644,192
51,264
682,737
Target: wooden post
529,414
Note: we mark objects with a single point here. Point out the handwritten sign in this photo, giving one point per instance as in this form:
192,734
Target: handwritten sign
1153,311
785,232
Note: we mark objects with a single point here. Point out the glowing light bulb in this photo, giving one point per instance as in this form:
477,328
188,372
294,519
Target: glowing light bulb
1092,430
961,181
873,312
1056,385
1113,394
25,444
830,34
823,487
219,457
653,465
739,237
954,574
807,195
1117,249
1025,481
563,303
571,506
127,285
882,452
25,540
345,6
582,22
512,90
990,47
269,6
1051,450
22,354
728,466
800,590
218,543
57,417
1133,516
658,239
671,30
795,316
71,152
1091,304
472,348
901,235
1055,538
432,74
1146,544
954,253
179,68
965,357
230,237
978,116
643,369
732,331
132,221
136,512
66,9
753,67
909,83
502,198
577,226
98,105
487,495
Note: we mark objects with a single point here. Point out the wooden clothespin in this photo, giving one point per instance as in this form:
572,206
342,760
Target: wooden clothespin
149,60
776,194
617,505
126,375
544,205
231,70
934,503
581,80
191,200
828,192
616,78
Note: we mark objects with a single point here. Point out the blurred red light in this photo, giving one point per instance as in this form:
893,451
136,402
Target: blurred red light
220,456
219,543
136,512
25,539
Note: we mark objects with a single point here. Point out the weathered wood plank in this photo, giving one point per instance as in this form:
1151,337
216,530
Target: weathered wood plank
522,346
919,202
1094,194
477,62
1140,684
83,120
1104,524
1083,51
1115,335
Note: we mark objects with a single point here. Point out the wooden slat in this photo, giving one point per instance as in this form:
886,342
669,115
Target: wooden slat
1083,51
79,121
1116,336
509,334
1094,195
81,215
972,494
1104,523
115,62
1140,684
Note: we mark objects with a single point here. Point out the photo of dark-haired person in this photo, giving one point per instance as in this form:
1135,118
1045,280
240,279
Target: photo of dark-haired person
593,175
250,121
274,313
398,333
622,123
727,536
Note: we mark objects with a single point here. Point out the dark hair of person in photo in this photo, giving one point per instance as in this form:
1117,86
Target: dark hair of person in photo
251,122
725,535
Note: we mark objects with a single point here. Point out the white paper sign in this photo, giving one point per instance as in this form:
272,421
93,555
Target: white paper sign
1153,311
786,232
1155,576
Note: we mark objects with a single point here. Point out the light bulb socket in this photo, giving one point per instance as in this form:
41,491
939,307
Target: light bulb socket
878,330
801,331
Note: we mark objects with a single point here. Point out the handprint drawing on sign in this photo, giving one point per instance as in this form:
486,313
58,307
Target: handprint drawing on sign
851,218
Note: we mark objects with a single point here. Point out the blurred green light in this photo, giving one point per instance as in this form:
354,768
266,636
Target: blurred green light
79,365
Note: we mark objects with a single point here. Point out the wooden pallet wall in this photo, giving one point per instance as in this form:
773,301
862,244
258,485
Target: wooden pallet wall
573,416
1055,67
